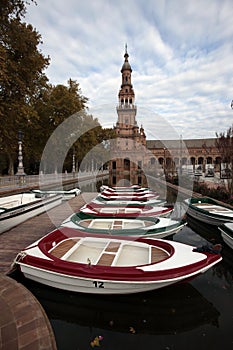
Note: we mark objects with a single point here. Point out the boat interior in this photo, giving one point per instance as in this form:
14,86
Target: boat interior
107,252
213,207
115,224
119,210
17,200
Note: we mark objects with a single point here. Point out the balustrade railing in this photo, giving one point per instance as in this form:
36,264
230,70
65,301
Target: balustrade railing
33,180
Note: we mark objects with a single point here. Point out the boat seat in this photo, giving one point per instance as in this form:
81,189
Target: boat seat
148,223
109,254
158,255
118,223
62,248
112,247
106,259
85,223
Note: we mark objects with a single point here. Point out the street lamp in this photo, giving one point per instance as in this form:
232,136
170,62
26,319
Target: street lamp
164,162
20,170
73,162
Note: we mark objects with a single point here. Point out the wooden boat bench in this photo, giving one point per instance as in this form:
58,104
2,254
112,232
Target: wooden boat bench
109,254
158,255
62,248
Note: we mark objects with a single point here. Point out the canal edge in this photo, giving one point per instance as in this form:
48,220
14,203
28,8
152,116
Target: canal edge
24,324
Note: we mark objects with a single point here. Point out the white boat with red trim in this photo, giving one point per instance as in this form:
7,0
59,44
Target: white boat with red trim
72,260
133,188
100,210
130,196
125,202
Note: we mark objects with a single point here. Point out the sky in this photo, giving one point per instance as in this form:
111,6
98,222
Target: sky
180,52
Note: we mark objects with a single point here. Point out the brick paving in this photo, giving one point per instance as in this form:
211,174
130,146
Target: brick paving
23,322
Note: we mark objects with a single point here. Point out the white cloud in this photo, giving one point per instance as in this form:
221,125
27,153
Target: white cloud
180,52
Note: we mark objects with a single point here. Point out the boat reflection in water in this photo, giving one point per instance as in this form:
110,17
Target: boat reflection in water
171,310
209,232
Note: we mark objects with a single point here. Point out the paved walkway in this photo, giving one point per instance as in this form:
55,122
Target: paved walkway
23,322
17,238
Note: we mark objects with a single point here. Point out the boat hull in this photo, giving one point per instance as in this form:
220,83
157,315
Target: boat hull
96,286
227,233
15,217
66,195
212,218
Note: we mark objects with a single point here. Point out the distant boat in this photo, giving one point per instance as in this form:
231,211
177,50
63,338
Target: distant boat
125,202
100,210
227,233
148,227
18,208
133,188
129,195
208,210
66,194
71,260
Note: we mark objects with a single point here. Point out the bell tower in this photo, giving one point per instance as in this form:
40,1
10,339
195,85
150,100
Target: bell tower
127,152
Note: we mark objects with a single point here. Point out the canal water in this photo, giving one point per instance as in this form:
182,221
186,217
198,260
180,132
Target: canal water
194,315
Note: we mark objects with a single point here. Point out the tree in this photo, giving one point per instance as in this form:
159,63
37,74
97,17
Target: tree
224,143
54,106
22,77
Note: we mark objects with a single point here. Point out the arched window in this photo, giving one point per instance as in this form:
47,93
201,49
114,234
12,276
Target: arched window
192,159
160,161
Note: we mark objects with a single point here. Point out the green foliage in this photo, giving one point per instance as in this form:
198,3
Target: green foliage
218,193
22,65
42,111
